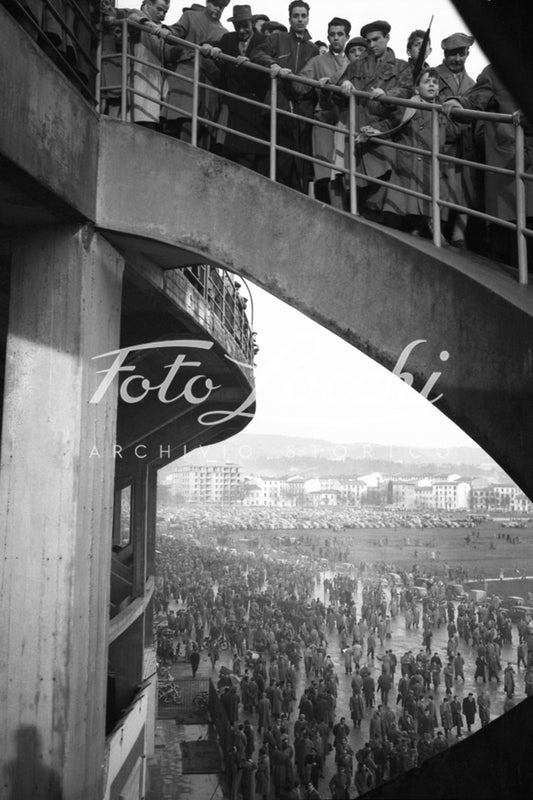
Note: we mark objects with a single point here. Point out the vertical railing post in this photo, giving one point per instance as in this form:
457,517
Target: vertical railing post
352,127
98,77
521,241
224,281
195,97
273,126
435,177
124,73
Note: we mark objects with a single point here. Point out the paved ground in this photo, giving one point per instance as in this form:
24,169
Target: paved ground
167,782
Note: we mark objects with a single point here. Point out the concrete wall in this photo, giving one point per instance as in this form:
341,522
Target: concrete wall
56,511
52,132
377,289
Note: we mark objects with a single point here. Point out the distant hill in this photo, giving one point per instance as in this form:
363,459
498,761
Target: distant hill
270,454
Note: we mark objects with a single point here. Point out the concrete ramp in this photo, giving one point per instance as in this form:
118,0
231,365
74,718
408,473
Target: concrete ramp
378,289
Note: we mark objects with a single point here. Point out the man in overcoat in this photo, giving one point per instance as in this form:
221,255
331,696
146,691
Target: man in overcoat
326,144
454,81
249,84
286,54
469,710
378,73
198,27
490,94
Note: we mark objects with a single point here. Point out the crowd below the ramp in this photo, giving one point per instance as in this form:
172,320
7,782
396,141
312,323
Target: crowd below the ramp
321,698
163,100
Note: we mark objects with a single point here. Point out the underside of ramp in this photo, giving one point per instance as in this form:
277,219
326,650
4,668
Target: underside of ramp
377,289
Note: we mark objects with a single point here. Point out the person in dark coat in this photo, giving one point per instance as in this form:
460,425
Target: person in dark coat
369,690
194,659
490,94
481,668
469,710
250,84
457,717
357,710
286,53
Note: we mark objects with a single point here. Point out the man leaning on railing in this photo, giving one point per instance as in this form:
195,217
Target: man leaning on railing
240,116
327,146
198,27
489,94
287,53
379,73
149,84
462,181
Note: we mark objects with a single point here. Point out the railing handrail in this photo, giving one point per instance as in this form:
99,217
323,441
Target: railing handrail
68,68
216,293
464,115
328,87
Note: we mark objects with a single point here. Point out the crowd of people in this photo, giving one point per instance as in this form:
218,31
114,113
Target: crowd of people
365,63
321,697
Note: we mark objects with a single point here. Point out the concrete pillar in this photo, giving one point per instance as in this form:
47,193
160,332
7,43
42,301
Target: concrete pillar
56,503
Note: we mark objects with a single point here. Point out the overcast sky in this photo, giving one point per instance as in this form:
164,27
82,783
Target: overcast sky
312,383
403,15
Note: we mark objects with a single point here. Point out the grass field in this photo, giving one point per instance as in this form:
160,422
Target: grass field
486,555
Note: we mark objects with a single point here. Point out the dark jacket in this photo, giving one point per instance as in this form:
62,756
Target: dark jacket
290,52
246,83
489,94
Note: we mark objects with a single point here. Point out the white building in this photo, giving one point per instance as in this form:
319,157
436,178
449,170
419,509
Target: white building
403,493
451,495
206,483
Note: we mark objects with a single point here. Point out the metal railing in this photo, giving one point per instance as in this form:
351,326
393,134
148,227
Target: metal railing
201,88
71,37
221,293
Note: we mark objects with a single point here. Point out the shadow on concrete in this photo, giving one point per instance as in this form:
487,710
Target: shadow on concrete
27,776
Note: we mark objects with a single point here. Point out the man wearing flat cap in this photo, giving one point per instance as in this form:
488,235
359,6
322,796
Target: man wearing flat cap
378,73
455,82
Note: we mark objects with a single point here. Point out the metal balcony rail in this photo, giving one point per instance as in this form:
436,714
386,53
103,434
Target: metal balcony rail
127,90
221,293
69,32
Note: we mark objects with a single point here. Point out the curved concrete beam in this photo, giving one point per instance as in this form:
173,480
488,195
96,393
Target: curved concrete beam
377,289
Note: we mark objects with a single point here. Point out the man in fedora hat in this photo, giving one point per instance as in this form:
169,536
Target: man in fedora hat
242,117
